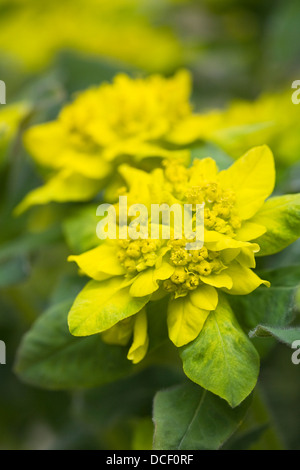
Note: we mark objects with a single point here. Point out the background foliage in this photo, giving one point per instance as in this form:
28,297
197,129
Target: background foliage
235,50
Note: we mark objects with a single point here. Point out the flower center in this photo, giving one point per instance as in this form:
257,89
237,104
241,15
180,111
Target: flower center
137,255
220,215
190,266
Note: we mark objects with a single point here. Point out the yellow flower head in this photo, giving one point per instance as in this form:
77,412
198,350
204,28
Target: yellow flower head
128,273
271,119
128,120
140,109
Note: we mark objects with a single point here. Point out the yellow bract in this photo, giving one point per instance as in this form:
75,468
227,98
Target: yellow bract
270,119
192,278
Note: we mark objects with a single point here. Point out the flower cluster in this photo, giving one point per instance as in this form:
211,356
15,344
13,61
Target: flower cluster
129,120
130,273
271,119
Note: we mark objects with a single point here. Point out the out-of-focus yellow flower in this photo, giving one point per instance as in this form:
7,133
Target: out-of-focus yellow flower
10,118
128,120
120,29
272,119
128,273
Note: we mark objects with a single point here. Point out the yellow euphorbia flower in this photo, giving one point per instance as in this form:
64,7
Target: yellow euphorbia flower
130,119
127,273
270,119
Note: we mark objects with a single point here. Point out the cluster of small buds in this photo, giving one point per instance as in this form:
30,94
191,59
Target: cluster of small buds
219,214
137,255
189,266
194,195
222,219
177,176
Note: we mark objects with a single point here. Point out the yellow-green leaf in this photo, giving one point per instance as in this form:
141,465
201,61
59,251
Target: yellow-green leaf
281,217
222,359
100,305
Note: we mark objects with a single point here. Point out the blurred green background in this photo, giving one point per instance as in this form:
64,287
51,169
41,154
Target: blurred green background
49,50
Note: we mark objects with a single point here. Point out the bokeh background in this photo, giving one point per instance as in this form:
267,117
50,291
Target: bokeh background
235,50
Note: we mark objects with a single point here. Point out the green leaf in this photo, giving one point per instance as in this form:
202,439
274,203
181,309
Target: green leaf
283,50
157,323
14,262
100,305
187,417
142,434
13,271
80,229
258,431
288,276
274,306
29,243
80,72
67,287
249,438
103,408
50,357
281,216
222,359
285,335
